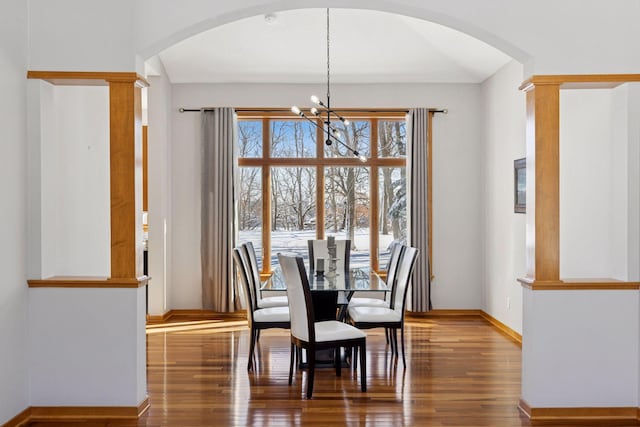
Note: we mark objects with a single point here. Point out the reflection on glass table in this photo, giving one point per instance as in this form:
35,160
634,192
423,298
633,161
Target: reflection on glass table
332,294
356,279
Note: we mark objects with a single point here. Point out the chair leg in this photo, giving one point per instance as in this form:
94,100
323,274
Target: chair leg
363,367
252,346
311,360
354,358
394,332
386,334
404,360
292,356
258,335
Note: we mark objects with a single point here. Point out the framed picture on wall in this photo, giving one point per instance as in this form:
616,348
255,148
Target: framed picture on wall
520,185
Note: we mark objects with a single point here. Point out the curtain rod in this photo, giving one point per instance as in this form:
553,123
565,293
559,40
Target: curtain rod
264,110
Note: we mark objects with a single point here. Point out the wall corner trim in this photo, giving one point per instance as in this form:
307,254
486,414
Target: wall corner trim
601,415
51,414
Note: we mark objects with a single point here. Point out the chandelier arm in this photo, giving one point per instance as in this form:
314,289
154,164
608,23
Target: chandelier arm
342,119
354,152
329,135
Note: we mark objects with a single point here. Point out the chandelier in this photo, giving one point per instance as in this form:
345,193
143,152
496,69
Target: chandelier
324,112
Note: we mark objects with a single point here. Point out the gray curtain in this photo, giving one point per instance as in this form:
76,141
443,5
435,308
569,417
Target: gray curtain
217,210
418,120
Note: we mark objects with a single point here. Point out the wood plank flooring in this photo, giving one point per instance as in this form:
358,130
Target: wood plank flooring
461,372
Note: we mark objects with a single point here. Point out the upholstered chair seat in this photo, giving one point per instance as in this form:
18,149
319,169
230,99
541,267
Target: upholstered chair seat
373,314
271,314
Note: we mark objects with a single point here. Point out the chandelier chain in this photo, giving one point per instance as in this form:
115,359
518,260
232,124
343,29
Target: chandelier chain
328,61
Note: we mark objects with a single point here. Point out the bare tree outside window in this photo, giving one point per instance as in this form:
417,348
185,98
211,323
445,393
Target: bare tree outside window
392,143
249,196
347,204
293,198
294,166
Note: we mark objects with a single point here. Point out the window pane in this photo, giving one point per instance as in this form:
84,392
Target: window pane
249,138
393,208
392,137
293,138
250,208
293,210
347,206
356,134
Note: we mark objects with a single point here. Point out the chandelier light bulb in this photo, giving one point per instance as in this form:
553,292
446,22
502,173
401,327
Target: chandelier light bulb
295,110
315,99
346,122
314,111
362,158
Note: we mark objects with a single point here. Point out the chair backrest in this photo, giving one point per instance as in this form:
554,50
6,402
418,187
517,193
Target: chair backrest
244,278
299,297
253,271
319,249
403,277
392,269
393,248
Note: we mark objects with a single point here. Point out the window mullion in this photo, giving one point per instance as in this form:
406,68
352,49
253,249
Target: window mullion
266,198
374,198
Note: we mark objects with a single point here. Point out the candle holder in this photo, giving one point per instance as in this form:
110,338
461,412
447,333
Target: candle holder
331,248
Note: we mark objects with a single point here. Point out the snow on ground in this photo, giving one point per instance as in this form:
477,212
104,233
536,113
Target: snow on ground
295,241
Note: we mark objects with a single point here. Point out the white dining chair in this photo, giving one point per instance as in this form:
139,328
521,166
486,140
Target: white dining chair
310,335
251,260
391,318
258,318
392,267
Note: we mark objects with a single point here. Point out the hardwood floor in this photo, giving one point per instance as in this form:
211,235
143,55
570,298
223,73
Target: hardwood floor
461,372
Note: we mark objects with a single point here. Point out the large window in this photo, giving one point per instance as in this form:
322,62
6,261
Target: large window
293,187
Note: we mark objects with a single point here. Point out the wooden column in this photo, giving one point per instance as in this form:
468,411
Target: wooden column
145,168
125,111
543,178
543,182
125,127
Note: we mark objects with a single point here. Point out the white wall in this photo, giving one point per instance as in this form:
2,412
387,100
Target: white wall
87,347
594,184
13,215
79,35
503,116
633,162
587,357
159,187
620,163
457,186
74,215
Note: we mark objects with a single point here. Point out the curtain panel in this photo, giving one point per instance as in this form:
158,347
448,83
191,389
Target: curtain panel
418,161
218,130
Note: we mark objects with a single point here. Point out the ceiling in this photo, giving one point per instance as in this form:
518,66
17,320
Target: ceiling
365,47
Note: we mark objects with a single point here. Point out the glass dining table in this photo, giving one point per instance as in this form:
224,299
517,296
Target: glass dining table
331,293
